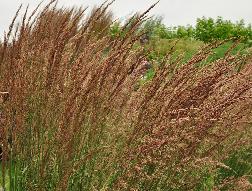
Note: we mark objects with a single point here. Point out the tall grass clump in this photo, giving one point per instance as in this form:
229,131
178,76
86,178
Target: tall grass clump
76,120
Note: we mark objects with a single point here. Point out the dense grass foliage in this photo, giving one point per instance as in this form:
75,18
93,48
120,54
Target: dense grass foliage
77,116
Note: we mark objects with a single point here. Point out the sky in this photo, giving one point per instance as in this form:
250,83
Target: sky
174,12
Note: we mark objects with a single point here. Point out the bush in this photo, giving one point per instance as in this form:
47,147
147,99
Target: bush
156,29
208,29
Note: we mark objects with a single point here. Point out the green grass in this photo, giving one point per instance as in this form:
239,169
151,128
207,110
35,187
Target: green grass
187,47
240,165
221,50
7,179
160,47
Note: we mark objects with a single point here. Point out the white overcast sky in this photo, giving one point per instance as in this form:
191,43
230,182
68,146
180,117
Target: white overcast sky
175,12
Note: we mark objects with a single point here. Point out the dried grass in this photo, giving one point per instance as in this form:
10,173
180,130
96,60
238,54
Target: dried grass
76,120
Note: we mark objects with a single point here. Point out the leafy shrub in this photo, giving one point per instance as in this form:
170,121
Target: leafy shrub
208,29
157,30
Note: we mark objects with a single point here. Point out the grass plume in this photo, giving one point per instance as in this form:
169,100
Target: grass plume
75,120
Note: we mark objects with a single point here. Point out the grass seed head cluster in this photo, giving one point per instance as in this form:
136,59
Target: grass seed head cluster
74,118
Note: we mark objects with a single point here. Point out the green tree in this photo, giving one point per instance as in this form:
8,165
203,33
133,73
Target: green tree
156,29
204,29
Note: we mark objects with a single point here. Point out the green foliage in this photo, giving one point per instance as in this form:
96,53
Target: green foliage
160,47
207,182
115,30
185,32
205,29
239,165
208,29
7,179
156,29
220,51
